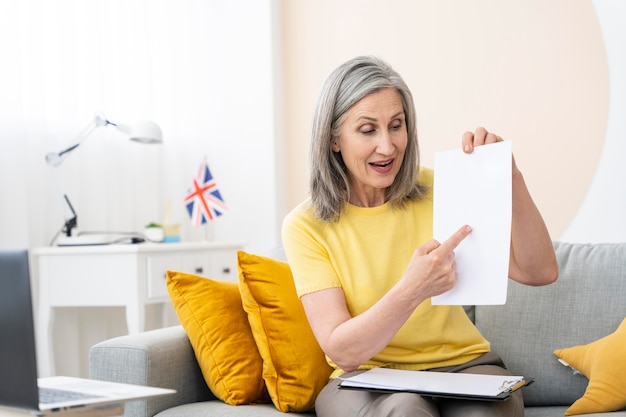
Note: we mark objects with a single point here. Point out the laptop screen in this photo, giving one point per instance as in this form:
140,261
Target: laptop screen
18,367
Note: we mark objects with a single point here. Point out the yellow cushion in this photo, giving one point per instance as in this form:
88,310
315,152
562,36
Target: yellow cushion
294,366
212,314
602,362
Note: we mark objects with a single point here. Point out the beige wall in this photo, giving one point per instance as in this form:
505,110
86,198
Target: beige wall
535,72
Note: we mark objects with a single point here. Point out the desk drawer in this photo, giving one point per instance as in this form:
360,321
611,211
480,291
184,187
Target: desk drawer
156,267
197,263
224,265
218,264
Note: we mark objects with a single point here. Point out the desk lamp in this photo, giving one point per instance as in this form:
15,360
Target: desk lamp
145,132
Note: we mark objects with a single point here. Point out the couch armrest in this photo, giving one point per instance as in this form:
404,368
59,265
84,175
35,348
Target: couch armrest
159,358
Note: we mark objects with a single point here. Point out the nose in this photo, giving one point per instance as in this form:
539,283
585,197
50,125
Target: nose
385,145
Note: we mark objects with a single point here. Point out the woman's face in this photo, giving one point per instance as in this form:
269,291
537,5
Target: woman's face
372,141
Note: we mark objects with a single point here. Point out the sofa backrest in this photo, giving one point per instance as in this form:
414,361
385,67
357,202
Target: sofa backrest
587,302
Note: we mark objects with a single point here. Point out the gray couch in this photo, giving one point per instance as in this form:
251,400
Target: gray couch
586,303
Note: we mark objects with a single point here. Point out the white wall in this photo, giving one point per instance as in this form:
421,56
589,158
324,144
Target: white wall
600,217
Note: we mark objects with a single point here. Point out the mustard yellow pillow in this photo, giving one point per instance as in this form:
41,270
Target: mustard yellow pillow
294,366
604,364
212,314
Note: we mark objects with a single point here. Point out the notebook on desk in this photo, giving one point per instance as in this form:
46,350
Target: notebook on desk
21,392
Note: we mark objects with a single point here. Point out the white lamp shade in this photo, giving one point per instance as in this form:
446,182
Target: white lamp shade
145,132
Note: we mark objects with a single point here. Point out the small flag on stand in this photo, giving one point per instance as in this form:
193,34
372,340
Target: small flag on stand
203,201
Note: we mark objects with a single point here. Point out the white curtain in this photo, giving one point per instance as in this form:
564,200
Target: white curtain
203,70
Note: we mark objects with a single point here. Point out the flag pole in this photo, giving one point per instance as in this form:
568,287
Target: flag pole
209,233
208,226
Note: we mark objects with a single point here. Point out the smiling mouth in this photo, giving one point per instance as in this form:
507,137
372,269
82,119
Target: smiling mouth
384,164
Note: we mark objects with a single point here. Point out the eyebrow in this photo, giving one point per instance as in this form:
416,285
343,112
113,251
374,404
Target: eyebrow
373,119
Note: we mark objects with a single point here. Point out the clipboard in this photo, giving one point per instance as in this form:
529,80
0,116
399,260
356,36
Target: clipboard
464,386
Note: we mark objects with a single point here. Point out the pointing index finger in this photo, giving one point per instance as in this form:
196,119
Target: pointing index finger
455,239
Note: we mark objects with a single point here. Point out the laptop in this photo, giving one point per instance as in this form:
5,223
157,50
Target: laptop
20,389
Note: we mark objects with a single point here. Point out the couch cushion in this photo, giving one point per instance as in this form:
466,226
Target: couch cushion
217,326
587,302
294,366
219,409
603,363
559,410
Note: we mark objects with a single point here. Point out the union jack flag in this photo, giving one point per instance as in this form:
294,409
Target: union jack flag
204,201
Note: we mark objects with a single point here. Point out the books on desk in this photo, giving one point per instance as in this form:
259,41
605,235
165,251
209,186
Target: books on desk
436,384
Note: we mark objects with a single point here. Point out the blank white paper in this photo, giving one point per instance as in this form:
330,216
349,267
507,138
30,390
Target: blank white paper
480,385
475,189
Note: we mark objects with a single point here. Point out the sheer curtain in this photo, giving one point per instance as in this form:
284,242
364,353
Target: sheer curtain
203,70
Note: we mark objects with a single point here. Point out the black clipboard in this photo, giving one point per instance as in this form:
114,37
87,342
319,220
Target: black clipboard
463,386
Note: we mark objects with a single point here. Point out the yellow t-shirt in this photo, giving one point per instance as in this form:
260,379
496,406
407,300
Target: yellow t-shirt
365,253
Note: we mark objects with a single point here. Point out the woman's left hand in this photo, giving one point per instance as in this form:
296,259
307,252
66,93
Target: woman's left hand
481,137
532,260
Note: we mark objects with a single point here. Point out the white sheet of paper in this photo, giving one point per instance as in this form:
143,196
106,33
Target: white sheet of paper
475,189
433,382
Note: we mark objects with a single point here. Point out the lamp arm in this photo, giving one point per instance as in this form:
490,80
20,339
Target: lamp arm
55,158
68,150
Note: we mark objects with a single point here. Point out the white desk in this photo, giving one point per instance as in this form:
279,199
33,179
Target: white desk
131,276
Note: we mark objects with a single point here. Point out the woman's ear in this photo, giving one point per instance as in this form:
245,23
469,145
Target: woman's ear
335,146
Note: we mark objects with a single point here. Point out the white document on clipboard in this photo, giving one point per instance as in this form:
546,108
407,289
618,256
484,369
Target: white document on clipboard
436,384
475,189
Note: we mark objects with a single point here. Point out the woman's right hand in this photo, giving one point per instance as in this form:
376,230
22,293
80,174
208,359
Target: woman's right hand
349,341
432,268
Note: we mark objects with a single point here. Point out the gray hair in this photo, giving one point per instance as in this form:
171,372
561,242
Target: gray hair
346,85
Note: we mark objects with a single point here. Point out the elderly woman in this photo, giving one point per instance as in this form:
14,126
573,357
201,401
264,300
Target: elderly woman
364,261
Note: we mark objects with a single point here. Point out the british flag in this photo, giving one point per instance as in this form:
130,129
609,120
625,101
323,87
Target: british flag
203,201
